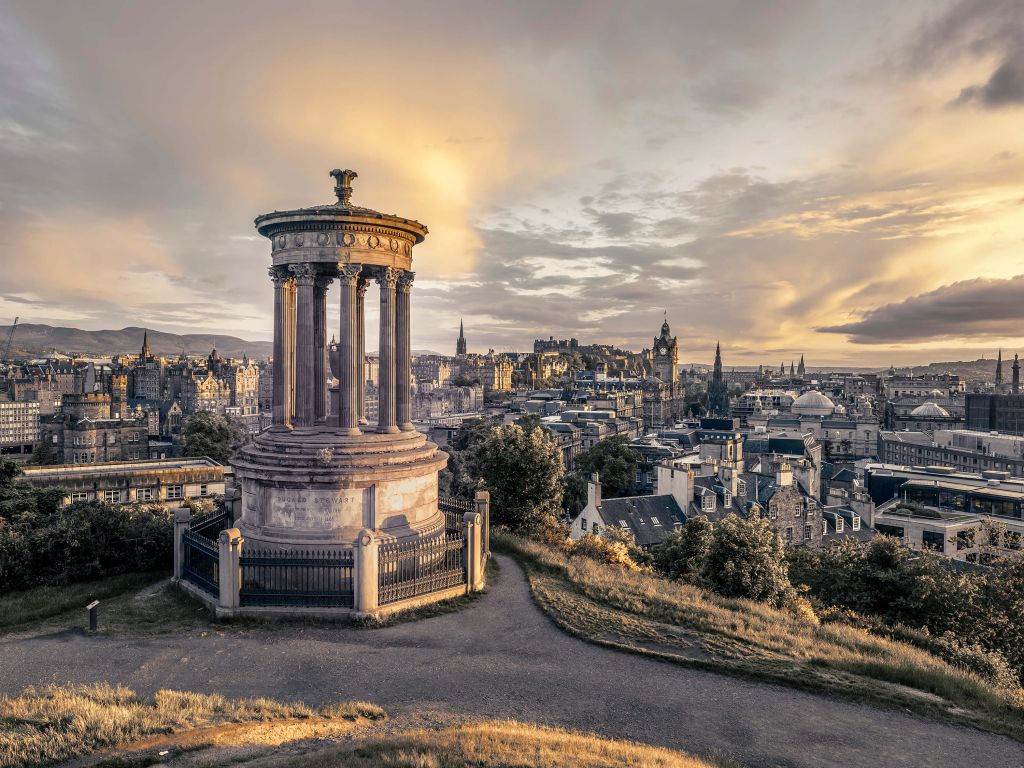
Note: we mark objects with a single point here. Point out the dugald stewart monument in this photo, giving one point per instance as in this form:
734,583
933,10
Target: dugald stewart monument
337,514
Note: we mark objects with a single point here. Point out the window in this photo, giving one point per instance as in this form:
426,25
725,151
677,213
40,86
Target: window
203,490
175,492
856,522
807,533
655,520
728,498
595,530
583,523
112,497
623,523
789,534
741,488
933,540
144,494
707,502
839,525
79,496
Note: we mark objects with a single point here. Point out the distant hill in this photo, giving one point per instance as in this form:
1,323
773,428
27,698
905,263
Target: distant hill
32,340
976,370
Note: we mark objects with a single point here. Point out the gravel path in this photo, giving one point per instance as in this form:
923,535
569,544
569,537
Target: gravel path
502,658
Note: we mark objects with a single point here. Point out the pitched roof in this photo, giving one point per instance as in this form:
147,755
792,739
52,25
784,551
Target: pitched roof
650,518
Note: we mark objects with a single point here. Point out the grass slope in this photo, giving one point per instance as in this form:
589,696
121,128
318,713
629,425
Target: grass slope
506,744
646,614
54,724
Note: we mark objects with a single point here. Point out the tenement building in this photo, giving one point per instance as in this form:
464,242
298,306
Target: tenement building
962,449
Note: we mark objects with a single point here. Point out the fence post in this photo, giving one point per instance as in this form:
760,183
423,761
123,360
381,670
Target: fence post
182,522
482,502
474,552
230,568
367,571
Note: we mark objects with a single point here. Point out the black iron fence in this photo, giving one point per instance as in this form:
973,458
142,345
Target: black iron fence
200,562
290,578
454,509
420,567
212,523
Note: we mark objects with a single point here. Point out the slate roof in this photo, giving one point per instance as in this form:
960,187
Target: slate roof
650,518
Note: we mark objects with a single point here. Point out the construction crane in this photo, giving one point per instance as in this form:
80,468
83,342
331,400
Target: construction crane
10,338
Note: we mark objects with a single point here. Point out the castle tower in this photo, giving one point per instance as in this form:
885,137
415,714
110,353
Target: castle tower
460,345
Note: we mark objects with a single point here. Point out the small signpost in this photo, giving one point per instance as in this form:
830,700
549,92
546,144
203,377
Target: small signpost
91,608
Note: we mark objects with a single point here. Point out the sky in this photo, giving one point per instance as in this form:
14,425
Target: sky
840,180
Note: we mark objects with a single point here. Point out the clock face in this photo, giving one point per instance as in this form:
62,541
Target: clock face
662,351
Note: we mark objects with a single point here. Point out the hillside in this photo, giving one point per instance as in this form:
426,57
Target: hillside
32,340
972,370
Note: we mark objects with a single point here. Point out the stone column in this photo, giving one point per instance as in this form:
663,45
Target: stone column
386,421
320,344
289,351
403,361
361,287
305,353
482,504
349,367
281,410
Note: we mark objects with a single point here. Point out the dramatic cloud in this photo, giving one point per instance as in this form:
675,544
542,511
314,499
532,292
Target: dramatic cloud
969,309
583,167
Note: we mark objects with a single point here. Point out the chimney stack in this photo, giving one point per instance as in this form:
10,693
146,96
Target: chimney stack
784,475
594,491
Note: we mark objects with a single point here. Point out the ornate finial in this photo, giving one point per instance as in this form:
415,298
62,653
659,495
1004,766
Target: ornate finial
343,185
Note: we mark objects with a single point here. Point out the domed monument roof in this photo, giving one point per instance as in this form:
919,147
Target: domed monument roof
813,403
930,410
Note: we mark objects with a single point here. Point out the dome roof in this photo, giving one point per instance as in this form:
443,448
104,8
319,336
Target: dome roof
932,410
813,403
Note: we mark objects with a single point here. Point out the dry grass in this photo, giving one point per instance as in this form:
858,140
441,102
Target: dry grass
505,744
647,614
52,724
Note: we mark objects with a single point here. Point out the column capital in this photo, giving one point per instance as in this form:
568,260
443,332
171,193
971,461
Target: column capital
348,274
305,274
279,275
388,276
323,281
405,281
361,286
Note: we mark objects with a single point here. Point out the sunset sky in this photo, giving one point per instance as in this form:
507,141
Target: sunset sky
844,180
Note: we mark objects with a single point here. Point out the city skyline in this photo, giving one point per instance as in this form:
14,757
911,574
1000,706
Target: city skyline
842,182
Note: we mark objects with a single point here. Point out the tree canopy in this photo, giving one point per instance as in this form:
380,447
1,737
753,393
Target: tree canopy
210,434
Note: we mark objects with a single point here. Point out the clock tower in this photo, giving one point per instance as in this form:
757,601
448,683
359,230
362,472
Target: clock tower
665,358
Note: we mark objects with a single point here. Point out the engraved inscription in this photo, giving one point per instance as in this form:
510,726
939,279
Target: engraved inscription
322,510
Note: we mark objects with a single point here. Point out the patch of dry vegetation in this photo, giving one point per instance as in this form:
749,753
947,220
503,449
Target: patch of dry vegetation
52,724
506,744
644,613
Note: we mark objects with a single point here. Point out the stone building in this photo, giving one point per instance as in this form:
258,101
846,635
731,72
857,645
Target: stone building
87,430
202,391
168,482
19,429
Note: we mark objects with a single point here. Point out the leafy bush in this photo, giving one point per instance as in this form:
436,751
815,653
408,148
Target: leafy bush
42,543
604,550
684,551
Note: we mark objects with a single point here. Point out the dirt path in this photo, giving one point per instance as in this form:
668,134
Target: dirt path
502,658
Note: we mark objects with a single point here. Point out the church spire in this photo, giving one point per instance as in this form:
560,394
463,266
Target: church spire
999,368
460,345
145,344
1015,387
801,369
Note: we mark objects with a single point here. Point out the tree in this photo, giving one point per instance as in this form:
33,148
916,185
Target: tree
614,461
684,551
210,434
747,559
523,473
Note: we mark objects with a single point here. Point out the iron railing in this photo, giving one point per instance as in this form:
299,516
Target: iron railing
454,509
201,562
420,567
212,523
290,578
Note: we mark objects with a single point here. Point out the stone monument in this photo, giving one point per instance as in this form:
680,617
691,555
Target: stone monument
313,480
